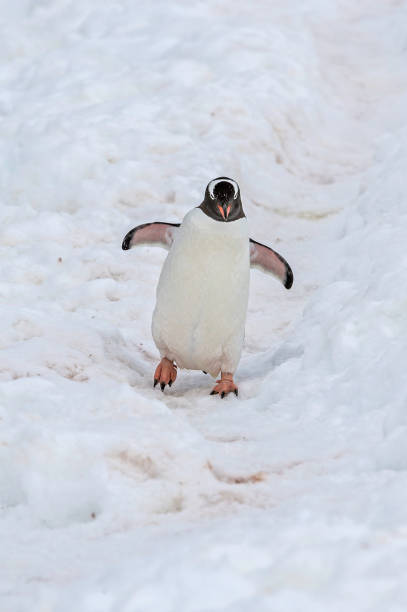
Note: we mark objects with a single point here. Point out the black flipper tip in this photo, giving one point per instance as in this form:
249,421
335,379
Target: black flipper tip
127,240
289,279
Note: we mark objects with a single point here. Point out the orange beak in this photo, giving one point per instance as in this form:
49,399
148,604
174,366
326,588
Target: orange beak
222,212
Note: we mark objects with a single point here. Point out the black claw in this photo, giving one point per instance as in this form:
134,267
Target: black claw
162,385
213,392
170,383
155,381
222,394
204,372
236,392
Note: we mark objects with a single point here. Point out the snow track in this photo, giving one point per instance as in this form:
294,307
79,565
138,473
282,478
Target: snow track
113,496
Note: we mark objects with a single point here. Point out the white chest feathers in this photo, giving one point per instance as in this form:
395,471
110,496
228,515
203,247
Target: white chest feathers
202,295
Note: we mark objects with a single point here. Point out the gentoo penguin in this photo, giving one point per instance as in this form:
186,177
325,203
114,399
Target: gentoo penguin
202,294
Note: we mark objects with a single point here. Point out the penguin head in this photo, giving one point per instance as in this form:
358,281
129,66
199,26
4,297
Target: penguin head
222,200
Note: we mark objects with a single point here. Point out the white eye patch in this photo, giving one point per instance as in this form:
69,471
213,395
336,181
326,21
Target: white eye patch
213,184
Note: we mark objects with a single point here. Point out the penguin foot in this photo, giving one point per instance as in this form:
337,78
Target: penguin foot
225,385
165,373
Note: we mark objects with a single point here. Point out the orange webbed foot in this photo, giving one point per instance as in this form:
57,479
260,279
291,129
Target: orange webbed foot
225,385
165,373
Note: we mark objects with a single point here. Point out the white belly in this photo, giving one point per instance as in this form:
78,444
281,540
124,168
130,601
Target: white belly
202,295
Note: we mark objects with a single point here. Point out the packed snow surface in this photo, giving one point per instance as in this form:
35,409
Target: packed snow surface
115,497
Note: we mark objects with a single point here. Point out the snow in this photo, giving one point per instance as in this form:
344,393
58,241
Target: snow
114,496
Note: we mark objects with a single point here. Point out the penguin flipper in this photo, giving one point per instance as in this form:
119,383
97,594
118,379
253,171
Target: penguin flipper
265,259
157,233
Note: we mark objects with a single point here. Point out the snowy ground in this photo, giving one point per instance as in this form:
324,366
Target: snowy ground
113,496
